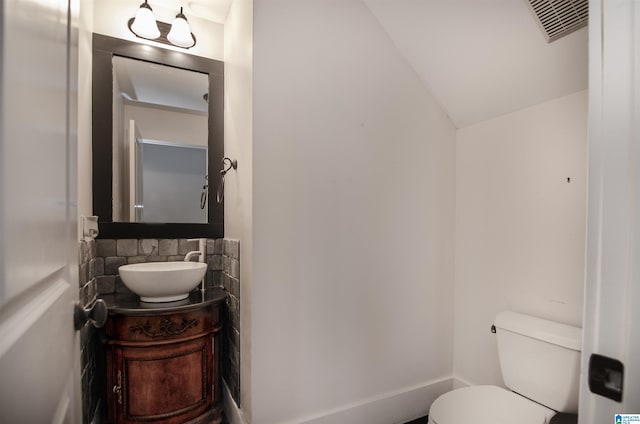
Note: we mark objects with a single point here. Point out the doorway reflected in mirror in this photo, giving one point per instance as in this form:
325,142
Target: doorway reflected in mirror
160,141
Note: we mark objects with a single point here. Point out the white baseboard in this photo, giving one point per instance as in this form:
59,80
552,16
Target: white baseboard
460,382
395,407
232,412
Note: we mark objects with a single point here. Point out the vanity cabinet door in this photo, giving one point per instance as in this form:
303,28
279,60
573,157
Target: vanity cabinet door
168,383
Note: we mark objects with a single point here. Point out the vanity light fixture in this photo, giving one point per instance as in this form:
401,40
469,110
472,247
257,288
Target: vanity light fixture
145,25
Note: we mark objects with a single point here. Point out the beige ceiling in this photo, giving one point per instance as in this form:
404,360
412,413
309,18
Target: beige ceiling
483,58
156,84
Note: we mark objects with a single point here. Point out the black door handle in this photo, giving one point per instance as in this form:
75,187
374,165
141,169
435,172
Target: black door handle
606,377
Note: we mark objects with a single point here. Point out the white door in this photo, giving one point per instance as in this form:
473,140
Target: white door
39,352
139,204
612,296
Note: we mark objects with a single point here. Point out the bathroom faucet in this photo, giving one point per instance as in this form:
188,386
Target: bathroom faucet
191,254
201,252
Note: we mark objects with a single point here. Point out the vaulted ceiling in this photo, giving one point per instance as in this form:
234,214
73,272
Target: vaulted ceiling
483,58
479,58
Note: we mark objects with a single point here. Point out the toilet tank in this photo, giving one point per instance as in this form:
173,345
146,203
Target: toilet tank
540,359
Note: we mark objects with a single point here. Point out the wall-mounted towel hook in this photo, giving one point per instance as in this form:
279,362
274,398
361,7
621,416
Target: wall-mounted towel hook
232,164
227,165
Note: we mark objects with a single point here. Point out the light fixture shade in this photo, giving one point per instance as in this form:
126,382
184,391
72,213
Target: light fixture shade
144,25
180,33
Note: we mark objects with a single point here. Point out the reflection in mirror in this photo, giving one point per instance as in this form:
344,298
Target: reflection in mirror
160,143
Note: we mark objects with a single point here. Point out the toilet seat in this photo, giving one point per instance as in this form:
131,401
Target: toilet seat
487,405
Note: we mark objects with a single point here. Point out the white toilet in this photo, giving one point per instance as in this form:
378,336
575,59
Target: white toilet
540,362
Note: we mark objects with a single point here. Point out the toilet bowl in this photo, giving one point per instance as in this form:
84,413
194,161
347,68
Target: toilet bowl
540,363
487,405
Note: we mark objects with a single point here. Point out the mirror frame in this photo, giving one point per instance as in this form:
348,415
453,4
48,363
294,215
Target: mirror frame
104,48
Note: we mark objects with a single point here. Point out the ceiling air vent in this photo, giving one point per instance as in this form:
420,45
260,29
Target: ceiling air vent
558,18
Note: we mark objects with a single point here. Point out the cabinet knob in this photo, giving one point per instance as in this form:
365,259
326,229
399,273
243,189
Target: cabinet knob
96,313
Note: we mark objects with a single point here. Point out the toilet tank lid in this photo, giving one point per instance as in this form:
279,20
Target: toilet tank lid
541,329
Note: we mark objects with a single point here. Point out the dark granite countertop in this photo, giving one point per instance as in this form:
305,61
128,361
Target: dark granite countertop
130,304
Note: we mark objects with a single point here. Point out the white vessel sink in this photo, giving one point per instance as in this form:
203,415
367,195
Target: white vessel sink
162,281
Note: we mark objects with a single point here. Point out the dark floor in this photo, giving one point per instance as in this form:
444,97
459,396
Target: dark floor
421,420
559,418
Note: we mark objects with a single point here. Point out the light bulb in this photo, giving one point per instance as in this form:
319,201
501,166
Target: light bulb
180,33
144,25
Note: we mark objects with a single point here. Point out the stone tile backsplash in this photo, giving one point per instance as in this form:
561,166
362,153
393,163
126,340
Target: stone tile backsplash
231,282
90,350
114,253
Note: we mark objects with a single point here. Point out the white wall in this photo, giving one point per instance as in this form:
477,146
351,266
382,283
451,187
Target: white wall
167,124
353,214
85,200
238,211
520,226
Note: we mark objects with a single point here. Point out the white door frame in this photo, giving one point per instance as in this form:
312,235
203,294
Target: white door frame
612,293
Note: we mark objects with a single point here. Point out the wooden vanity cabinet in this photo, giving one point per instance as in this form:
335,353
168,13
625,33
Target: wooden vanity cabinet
163,366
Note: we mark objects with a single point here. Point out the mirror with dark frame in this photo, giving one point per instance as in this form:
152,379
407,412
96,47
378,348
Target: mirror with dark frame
120,175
